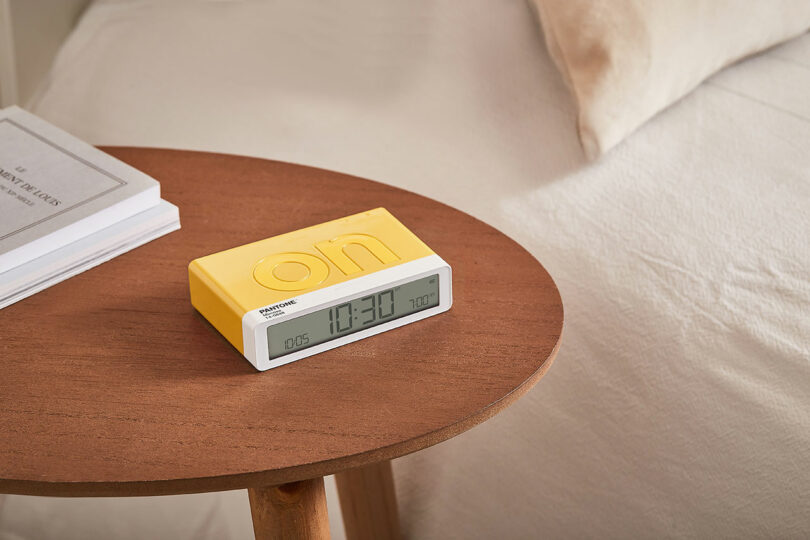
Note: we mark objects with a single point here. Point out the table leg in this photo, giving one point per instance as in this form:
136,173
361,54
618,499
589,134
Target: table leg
294,510
368,502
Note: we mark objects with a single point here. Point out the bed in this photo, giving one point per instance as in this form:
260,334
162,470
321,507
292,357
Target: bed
679,403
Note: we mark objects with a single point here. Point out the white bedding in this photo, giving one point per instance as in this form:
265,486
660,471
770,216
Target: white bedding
679,404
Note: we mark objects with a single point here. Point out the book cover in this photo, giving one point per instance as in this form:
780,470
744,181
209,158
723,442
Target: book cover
56,189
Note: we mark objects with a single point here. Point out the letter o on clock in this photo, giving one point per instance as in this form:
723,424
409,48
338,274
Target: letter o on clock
274,271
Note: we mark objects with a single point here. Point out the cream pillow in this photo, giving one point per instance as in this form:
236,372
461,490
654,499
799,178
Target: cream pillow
625,60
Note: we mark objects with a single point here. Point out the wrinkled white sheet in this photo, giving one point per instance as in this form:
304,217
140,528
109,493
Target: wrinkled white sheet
679,404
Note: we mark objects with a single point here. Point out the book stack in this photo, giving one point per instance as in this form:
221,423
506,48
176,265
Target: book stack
66,206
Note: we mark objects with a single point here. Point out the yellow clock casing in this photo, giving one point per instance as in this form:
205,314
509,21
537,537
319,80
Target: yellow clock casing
242,289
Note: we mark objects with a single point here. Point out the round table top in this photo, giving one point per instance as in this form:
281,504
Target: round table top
112,384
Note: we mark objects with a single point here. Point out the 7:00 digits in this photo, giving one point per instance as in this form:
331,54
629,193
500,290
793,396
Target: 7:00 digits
420,301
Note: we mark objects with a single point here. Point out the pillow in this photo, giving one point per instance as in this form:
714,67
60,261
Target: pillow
625,60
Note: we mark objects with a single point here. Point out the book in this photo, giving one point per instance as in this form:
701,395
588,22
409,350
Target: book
66,206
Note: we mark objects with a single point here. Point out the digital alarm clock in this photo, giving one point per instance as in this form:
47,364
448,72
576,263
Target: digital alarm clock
304,292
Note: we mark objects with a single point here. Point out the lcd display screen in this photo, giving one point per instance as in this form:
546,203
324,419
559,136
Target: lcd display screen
352,316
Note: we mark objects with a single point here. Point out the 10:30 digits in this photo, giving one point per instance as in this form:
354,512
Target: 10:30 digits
376,306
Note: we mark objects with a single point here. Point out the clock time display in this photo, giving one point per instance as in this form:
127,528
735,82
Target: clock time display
352,316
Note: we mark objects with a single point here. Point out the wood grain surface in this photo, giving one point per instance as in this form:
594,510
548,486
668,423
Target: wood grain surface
295,510
112,384
368,502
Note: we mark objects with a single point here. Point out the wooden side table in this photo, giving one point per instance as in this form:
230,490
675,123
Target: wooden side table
113,385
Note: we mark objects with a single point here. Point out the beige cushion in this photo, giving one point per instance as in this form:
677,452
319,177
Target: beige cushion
625,60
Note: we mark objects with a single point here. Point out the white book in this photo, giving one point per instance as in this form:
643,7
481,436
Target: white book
56,189
67,261
66,206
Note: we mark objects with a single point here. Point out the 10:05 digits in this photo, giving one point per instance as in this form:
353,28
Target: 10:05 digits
296,341
376,306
